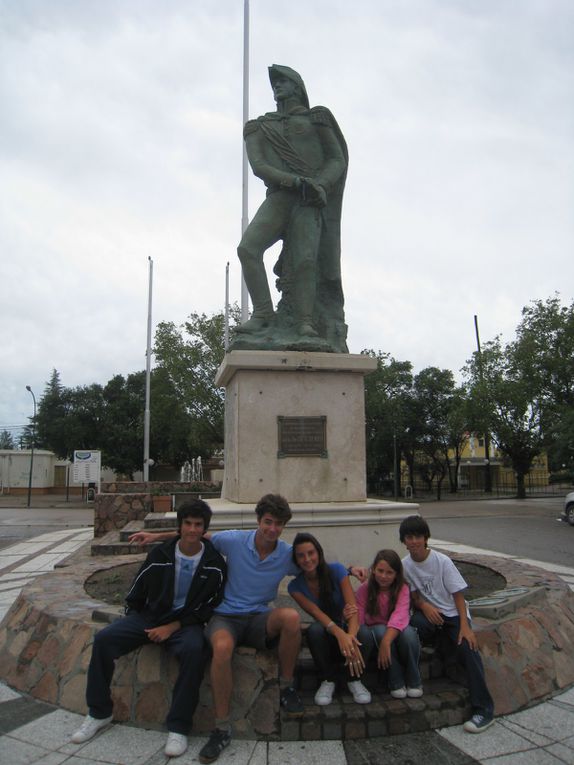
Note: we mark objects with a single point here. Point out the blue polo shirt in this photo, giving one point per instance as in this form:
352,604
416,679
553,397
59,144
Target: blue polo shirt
251,582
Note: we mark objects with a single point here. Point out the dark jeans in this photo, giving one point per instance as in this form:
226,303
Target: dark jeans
325,650
480,697
127,634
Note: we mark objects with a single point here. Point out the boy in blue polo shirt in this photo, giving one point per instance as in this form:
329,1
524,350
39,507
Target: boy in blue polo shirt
257,562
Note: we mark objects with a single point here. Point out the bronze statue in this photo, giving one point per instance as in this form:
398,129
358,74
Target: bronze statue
301,156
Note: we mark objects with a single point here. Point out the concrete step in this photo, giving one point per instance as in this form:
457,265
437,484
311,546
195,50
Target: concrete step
116,543
443,703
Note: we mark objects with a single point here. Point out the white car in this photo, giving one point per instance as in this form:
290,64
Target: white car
568,512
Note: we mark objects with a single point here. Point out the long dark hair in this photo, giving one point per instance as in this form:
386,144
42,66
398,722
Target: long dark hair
390,557
323,572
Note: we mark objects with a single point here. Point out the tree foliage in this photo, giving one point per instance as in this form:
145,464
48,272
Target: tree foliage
190,356
386,394
506,397
6,440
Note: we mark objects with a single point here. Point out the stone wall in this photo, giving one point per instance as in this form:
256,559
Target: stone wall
113,511
527,654
45,647
46,637
123,501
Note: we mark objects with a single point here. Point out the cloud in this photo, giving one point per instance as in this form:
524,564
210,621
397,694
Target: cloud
121,139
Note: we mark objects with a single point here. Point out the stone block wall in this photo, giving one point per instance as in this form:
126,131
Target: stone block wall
46,638
45,647
123,501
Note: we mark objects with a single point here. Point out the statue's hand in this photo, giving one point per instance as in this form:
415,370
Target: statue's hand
315,195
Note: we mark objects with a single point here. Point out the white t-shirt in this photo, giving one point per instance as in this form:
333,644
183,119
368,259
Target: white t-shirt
436,579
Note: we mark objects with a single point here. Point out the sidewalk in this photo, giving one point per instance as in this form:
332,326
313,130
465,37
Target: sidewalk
35,732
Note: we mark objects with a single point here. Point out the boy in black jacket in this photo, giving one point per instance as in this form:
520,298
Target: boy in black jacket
171,599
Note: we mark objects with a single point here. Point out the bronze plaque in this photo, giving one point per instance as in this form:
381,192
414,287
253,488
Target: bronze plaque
302,436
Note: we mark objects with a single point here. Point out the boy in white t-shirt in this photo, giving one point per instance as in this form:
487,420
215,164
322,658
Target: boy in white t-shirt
437,596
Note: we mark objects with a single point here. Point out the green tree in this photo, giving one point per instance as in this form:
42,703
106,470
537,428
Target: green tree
440,413
386,391
191,355
52,418
7,440
509,400
544,353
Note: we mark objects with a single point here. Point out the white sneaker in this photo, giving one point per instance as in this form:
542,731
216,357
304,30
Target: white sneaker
414,693
176,744
360,694
324,695
399,693
89,728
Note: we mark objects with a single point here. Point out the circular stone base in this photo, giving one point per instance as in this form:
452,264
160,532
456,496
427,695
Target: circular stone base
46,637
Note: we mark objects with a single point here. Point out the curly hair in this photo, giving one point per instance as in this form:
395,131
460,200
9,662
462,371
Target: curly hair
275,505
373,590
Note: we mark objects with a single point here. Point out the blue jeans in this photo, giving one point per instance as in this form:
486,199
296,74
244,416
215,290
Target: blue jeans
405,653
480,698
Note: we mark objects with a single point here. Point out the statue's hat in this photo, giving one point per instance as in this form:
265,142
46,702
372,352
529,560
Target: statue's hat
285,71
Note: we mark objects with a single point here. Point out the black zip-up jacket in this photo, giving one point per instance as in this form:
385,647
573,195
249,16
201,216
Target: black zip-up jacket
152,590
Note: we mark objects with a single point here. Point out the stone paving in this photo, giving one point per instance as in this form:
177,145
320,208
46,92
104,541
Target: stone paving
36,732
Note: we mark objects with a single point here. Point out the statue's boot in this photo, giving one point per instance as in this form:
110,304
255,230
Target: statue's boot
306,329
255,324
258,288
305,301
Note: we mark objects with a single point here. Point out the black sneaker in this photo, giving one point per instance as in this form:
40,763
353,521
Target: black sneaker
291,702
218,740
477,724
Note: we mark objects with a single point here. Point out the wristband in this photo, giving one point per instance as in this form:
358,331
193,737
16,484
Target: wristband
331,624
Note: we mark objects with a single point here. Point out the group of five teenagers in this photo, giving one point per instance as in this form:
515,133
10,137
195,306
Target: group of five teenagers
180,586
323,590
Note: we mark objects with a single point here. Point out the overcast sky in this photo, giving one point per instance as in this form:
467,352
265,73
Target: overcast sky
121,139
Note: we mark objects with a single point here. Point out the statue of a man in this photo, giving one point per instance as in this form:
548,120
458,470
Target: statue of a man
301,156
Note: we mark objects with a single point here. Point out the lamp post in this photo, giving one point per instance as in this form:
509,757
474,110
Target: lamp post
29,389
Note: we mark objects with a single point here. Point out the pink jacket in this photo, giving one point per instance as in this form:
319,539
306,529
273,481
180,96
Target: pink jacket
398,619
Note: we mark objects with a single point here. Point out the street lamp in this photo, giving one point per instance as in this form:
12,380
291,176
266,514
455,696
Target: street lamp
29,389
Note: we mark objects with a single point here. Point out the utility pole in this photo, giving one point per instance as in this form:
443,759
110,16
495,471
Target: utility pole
29,389
487,472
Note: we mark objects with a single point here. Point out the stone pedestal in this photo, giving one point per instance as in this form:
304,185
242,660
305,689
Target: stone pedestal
264,386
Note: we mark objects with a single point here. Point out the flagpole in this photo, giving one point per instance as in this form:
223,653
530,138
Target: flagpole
244,203
148,377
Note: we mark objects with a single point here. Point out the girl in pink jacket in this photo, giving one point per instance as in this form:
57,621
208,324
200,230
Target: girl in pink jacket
383,604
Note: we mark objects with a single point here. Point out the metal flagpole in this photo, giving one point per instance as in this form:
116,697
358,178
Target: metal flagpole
244,204
148,377
226,326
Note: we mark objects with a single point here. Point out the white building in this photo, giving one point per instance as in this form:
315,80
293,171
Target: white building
48,471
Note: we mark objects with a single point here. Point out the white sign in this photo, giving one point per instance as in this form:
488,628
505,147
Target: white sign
87,467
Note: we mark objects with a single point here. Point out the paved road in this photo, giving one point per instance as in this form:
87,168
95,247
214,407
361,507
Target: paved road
528,528
19,522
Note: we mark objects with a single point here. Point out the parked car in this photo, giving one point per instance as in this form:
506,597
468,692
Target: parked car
568,512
